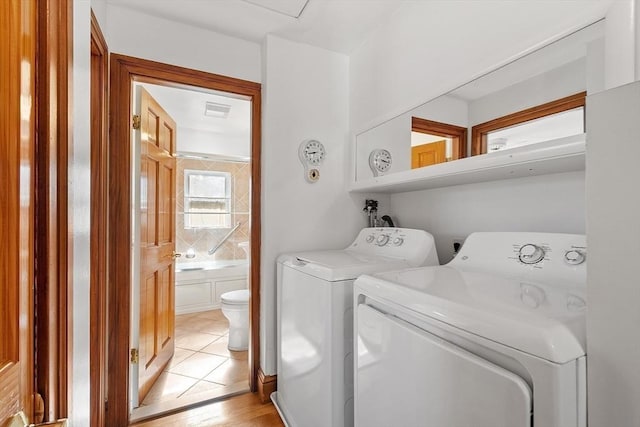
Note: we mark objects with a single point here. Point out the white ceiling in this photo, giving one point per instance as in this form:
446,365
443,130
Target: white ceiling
186,107
338,25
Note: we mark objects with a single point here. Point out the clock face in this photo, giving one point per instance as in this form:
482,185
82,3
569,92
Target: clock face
380,161
312,152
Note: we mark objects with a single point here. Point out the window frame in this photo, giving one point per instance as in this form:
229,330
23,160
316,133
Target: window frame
479,132
188,198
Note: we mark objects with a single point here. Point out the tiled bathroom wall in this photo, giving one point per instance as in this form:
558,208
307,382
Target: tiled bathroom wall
203,239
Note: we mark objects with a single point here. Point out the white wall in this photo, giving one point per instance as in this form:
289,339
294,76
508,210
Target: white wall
305,96
620,40
551,203
401,65
79,205
137,34
613,212
402,54
545,203
563,81
200,141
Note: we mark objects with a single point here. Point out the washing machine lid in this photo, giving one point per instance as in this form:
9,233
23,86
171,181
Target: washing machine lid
339,265
538,319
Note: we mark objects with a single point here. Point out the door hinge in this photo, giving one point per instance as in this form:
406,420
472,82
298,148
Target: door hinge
136,121
135,356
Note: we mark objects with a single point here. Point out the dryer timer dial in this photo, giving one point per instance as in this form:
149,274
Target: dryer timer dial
531,254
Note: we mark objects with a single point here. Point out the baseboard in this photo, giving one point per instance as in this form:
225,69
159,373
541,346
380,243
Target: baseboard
267,384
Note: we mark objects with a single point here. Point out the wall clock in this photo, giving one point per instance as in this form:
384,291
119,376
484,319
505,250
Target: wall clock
311,153
379,161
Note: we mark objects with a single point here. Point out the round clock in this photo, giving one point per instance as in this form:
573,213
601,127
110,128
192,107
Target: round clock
311,152
379,161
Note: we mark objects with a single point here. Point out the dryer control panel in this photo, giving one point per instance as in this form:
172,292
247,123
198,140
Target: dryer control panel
543,257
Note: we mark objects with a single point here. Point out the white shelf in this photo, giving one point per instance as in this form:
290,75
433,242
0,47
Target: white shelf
554,156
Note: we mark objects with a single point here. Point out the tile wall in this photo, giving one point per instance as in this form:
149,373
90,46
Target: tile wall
201,240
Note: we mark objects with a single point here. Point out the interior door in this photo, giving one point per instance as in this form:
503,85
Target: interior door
157,241
428,154
17,65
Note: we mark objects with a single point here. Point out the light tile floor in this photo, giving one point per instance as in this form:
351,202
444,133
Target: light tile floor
201,362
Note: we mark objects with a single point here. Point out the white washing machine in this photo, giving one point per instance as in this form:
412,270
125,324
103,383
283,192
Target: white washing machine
315,321
495,338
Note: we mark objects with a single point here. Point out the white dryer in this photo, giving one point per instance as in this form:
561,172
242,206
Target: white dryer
315,321
495,338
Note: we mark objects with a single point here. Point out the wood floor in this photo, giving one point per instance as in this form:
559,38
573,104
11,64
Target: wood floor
240,411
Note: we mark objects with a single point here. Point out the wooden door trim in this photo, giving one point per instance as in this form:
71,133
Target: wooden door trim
479,132
459,133
52,285
99,230
124,70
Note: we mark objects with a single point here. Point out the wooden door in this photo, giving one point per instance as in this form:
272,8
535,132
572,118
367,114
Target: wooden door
17,86
157,241
428,154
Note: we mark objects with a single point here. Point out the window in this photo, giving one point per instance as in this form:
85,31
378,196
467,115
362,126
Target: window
207,199
555,119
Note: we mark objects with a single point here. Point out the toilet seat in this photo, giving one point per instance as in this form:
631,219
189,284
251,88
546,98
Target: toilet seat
240,297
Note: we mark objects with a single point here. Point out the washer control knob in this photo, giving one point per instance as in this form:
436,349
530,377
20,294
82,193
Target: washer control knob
370,238
531,254
574,257
382,240
398,241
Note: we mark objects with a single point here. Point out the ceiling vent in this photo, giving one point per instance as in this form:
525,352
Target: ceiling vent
213,109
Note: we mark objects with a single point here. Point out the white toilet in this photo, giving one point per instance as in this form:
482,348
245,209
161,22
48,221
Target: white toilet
235,307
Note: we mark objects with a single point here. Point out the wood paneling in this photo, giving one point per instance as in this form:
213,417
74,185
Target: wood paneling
99,178
123,71
17,127
266,385
479,132
458,134
52,287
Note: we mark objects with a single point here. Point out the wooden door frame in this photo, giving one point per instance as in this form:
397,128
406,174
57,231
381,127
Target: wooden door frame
99,226
42,75
124,71
446,130
53,260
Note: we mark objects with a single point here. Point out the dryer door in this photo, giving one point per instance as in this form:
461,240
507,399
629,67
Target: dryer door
409,377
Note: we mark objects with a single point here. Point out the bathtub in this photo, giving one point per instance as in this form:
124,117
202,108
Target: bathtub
200,284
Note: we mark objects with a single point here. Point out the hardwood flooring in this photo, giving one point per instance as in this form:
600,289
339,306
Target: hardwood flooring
245,410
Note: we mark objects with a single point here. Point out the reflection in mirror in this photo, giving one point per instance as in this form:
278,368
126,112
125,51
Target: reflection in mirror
555,119
435,142
546,89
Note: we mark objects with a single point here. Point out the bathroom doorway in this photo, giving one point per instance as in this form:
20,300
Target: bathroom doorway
208,227
209,221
